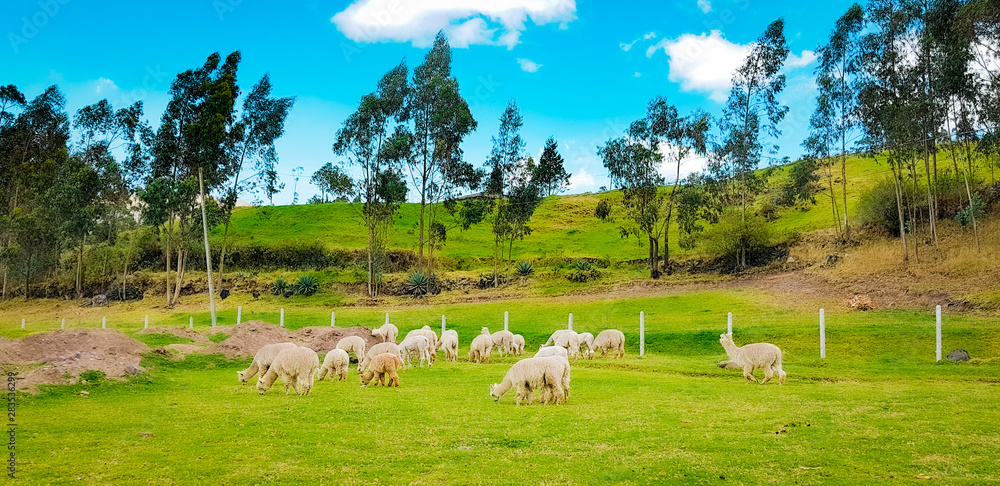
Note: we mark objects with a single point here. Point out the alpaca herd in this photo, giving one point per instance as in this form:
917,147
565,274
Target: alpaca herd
547,372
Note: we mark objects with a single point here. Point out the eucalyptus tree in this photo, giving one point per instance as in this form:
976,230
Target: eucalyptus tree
751,117
514,197
367,144
261,123
837,78
193,147
331,179
440,119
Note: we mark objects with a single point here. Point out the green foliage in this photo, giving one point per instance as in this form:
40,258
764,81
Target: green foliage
550,174
739,239
603,210
801,184
93,376
418,284
158,340
976,211
280,287
524,269
306,286
877,206
581,275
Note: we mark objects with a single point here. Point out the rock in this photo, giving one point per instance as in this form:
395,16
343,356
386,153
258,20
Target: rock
84,393
790,260
957,355
133,370
100,299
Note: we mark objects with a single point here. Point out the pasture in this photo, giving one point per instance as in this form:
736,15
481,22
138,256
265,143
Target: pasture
878,409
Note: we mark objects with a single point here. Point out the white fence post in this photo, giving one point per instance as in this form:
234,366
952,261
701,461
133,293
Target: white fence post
729,327
570,321
442,325
939,333
239,315
22,323
145,324
333,319
190,322
642,334
63,324
505,321
386,317
104,322
282,317
822,334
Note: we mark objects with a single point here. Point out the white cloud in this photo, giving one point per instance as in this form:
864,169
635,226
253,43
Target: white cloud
581,181
705,6
691,164
638,74
104,86
801,60
528,66
465,22
702,62
649,35
706,62
627,47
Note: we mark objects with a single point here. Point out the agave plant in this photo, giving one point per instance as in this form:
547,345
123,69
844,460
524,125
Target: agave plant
306,286
418,284
280,287
524,269
584,266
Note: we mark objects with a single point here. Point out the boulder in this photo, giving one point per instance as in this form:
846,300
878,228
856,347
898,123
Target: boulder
957,355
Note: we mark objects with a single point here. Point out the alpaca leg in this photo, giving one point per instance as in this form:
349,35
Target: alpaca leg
768,374
781,376
394,379
748,374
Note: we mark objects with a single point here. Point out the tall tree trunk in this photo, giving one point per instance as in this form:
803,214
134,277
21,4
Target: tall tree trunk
181,267
3,295
897,183
79,270
843,183
208,252
968,192
170,230
931,203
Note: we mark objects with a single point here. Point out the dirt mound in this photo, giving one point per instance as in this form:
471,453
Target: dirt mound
66,353
248,337
184,332
323,339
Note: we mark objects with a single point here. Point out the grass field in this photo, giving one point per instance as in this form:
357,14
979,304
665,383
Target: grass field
879,409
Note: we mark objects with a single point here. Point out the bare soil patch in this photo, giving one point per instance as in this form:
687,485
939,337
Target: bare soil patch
323,339
65,353
196,337
248,337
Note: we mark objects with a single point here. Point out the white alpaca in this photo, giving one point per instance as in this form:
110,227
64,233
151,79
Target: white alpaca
375,351
335,363
295,366
518,345
262,361
449,343
753,356
532,374
546,351
481,347
353,344
562,369
387,333
587,339
418,346
610,340
503,341
432,339
567,339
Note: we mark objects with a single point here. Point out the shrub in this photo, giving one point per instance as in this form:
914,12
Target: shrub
306,286
580,276
524,269
603,210
487,280
93,376
583,266
279,287
418,284
734,234
975,210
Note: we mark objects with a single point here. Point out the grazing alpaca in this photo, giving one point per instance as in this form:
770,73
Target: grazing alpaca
753,356
530,374
382,370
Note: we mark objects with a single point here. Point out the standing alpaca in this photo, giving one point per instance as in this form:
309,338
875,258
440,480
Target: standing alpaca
753,356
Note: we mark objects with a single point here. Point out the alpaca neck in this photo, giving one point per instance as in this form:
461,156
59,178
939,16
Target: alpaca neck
504,386
731,348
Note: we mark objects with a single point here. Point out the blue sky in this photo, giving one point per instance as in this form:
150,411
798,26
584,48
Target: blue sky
580,71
